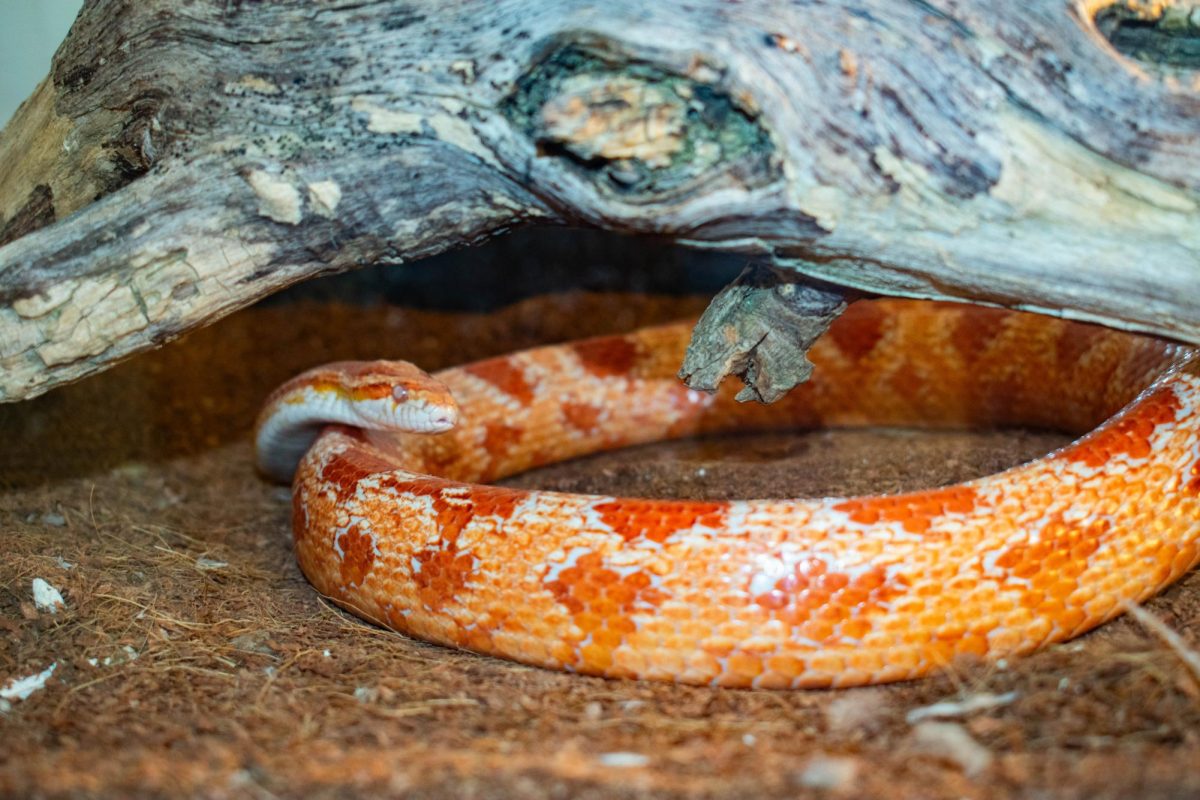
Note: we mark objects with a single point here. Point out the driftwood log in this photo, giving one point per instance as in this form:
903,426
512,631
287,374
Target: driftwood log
187,157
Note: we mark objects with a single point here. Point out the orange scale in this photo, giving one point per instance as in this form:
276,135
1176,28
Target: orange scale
949,627
1184,558
772,600
817,630
733,628
915,635
939,653
1043,581
620,593
718,645
852,597
972,644
908,606
695,629
928,589
772,680
593,658
637,580
700,674
786,665
833,613
1026,568
879,640
759,645
745,666
833,581
1114,582
826,662
605,608
589,561
1063,589
1056,560
1038,630
478,639
569,576
854,628
1072,620
631,660
933,619
588,621
668,665
894,624
792,615
812,597
1050,607
867,662
602,577
607,638
622,625
1003,639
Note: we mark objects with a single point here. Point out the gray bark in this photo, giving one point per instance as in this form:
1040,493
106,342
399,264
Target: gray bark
184,159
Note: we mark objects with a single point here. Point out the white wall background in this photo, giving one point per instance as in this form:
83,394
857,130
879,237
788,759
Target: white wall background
30,32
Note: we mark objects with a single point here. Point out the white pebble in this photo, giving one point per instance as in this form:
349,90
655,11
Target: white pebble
950,741
624,760
829,772
46,597
21,688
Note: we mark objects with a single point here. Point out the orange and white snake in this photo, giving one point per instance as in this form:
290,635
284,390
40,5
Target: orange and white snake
401,528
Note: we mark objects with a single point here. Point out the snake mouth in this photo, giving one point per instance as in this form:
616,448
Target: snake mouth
443,421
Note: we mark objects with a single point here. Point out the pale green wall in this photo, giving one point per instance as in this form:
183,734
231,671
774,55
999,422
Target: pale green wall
30,32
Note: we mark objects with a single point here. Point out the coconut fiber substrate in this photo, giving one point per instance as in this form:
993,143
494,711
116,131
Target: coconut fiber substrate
190,657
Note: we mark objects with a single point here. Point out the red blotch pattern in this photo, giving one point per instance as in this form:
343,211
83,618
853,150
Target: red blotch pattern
1129,435
600,602
499,438
582,416
443,570
978,329
345,469
858,330
827,606
505,376
656,520
358,555
607,357
1073,342
915,511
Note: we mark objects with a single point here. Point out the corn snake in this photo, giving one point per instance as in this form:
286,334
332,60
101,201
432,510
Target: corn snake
401,528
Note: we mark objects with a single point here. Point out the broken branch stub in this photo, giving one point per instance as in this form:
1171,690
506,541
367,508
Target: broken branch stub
760,328
184,159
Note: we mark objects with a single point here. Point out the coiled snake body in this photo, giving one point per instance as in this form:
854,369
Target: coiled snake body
400,528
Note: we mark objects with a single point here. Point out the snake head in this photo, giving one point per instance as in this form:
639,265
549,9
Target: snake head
375,395
395,395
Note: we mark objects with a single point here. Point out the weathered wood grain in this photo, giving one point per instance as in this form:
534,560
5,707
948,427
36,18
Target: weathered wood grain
184,159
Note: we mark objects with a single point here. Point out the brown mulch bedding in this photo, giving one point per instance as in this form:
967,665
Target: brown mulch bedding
219,672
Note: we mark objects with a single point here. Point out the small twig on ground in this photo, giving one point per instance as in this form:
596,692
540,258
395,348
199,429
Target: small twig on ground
1184,652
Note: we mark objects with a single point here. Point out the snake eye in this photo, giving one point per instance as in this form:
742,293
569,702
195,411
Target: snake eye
400,393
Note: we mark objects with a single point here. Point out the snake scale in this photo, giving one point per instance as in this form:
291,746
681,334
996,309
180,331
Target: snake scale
402,529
